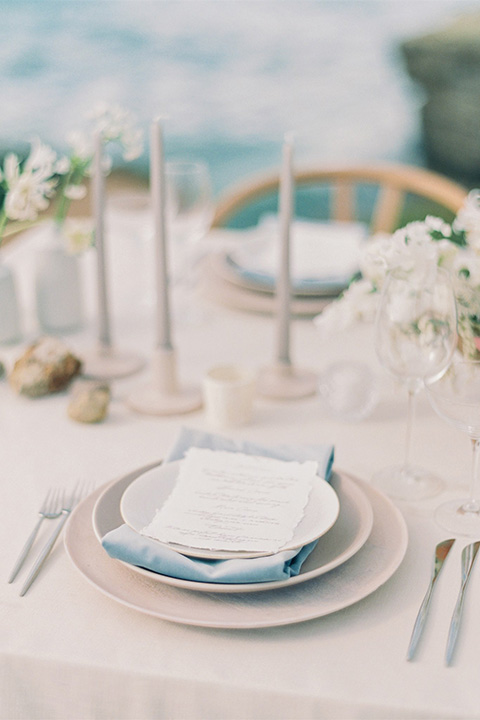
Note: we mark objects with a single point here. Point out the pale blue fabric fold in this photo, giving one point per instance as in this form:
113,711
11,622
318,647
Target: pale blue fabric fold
188,437
125,544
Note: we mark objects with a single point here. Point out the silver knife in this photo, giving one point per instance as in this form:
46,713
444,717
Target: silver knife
469,553
441,552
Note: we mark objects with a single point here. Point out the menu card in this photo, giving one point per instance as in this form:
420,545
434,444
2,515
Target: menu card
234,502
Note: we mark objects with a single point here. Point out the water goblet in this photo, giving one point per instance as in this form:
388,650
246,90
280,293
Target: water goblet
456,398
415,338
190,208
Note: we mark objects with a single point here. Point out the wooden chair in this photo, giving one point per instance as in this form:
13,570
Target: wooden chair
384,197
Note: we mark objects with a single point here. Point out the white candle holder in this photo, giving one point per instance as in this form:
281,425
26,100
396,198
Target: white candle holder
163,396
105,363
282,381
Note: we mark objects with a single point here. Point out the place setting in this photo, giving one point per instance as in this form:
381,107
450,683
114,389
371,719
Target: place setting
325,258
135,540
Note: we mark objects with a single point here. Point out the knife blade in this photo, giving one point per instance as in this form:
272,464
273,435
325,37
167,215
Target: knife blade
441,552
469,553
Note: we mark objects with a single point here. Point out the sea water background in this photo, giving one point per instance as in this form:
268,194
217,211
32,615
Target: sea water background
231,76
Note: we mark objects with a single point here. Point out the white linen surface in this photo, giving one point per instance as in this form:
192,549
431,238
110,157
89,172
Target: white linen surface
68,652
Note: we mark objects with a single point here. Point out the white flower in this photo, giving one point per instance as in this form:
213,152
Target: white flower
468,220
358,302
81,144
78,235
375,260
27,197
62,165
75,192
29,188
436,224
117,124
41,159
447,254
466,264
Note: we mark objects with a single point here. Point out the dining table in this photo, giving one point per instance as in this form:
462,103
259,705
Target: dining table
75,647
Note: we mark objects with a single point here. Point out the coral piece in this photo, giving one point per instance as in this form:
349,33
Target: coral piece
89,402
47,366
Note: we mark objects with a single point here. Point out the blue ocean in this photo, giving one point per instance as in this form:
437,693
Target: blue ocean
230,76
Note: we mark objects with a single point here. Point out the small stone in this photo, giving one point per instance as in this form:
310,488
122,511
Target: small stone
47,366
89,402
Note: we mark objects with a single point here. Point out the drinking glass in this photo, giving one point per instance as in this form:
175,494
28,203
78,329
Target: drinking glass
415,338
189,203
456,399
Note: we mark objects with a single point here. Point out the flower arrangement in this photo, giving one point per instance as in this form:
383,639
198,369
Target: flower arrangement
117,125
27,187
455,247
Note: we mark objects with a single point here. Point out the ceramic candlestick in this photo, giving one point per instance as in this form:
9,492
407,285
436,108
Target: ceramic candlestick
105,362
163,396
282,380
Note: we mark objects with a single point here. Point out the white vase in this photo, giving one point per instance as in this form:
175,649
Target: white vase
58,287
10,331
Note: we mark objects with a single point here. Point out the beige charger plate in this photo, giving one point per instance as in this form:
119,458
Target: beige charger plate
369,568
215,286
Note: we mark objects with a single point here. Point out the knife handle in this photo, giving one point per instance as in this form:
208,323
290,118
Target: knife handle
454,626
420,621
469,554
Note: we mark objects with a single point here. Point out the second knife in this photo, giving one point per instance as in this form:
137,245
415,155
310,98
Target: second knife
441,552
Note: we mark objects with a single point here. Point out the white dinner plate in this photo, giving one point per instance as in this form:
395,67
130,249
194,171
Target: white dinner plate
346,537
227,268
364,573
148,493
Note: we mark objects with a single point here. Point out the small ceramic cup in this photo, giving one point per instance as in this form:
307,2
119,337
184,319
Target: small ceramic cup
228,392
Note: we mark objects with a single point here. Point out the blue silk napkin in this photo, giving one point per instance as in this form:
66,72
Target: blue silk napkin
126,544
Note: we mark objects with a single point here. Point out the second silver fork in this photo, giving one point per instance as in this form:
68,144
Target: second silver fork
51,508
70,501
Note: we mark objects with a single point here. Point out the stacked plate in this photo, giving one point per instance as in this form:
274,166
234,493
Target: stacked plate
362,539
324,258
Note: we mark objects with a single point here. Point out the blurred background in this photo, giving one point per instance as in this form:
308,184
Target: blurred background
356,80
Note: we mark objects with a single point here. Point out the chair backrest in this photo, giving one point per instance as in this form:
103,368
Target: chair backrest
385,197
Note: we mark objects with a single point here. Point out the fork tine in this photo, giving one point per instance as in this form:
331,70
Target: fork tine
46,500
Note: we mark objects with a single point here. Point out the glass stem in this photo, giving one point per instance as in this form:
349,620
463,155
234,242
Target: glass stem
473,504
410,418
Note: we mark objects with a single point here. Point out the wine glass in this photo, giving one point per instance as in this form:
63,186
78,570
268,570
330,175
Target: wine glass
456,399
189,204
415,338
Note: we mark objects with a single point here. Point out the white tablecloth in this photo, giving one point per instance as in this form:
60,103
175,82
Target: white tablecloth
69,652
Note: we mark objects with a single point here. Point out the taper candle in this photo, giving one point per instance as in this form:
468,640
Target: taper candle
283,278
157,189
98,182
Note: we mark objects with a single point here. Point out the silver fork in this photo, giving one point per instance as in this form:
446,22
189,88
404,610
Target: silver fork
69,502
51,508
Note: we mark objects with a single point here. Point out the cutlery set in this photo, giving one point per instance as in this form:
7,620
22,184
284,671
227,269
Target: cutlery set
469,553
57,505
